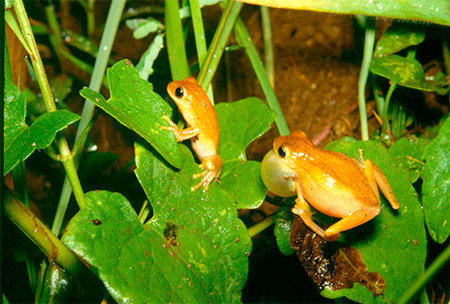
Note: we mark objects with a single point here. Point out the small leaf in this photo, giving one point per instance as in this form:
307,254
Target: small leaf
408,73
398,69
436,185
134,104
145,65
19,139
44,129
240,123
398,37
407,152
283,222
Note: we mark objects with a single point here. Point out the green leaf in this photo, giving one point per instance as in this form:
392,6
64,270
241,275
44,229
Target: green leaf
240,123
43,130
398,37
398,69
19,139
193,250
394,243
134,104
436,185
283,222
408,73
407,153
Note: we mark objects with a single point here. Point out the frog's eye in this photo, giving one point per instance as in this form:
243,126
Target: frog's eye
179,92
281,152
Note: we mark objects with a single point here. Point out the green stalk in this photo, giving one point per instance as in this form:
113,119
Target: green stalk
268,46
200,42
261,226
385,119
53,248
369,43
246,42
420,282
90,9
175,42
209,66
66,156
112,23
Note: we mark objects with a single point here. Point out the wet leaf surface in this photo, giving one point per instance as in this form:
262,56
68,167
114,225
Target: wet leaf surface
134,104
435,188
383,250
407,152
398,37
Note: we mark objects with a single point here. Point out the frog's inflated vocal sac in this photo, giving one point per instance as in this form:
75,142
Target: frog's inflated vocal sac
331,182
202,127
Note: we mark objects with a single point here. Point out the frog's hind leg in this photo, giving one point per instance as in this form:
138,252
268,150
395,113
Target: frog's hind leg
207,177
378,180
350,221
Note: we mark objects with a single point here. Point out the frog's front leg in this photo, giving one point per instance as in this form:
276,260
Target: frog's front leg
180,134
302,209
378,180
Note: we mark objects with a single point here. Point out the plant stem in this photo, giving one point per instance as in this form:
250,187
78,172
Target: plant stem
90,10
200,42
385,119
261,226
175,42
369,43
53,248
209,66
109,33
268,47
246,42
66,156
420,282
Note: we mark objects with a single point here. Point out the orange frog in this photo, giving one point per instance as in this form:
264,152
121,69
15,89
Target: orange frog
202,127
331,182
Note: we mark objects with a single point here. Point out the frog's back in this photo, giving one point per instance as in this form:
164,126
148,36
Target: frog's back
335,184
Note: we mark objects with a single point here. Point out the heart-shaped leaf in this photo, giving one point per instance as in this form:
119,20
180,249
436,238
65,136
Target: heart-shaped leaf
134,104
194,249
240,123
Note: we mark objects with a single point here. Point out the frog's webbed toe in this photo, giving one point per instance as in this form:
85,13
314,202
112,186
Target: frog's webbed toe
207,177
211,170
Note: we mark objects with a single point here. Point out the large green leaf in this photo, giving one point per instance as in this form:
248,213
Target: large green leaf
19,139
193,250
436,185
434,11
240,123
134,104
393,244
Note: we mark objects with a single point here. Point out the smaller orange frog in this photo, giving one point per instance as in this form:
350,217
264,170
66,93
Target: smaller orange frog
331,182
202,127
